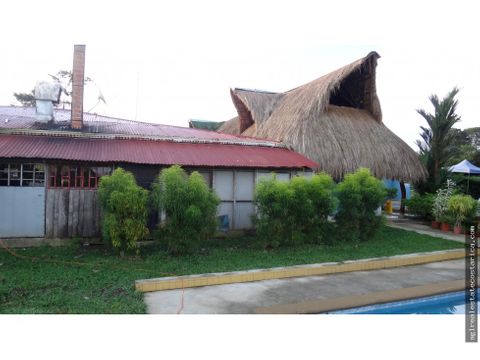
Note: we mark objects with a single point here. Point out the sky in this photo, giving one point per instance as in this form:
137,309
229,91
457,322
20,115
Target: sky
167,62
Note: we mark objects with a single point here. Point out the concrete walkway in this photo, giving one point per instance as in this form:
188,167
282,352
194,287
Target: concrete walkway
421,228
245,298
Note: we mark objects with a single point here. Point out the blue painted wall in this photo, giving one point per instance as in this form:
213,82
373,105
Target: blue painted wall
396,184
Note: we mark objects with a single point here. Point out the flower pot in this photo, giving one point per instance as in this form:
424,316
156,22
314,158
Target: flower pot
435,224
458,230
445,227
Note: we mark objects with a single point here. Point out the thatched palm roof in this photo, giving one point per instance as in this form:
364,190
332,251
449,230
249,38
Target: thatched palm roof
335,120
231,126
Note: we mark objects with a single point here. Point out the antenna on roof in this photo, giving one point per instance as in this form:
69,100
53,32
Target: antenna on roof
100,97
138,86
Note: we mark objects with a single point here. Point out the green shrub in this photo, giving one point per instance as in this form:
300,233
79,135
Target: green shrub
359,194
391,193
274,200
461,208
189,206
321,193
421,205
294,212
124,210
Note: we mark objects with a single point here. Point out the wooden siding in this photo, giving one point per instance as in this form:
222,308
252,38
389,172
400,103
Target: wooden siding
71,213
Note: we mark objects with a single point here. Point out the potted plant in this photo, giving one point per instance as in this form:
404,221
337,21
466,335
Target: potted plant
440,205
445,223
461,207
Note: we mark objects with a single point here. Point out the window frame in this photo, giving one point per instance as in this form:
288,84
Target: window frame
21,179
78,176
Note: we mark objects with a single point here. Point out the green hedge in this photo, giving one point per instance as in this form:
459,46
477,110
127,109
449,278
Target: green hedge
189,206
360,194
421,205
124,207
294,212
288,213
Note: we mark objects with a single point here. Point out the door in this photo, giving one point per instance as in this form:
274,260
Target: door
22,200
22,212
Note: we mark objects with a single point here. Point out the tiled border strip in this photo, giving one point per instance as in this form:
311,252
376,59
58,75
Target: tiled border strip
189,281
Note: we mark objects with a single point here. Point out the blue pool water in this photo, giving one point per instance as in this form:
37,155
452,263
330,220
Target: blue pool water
450,303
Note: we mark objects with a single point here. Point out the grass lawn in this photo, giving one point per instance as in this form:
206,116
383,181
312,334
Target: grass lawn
91,280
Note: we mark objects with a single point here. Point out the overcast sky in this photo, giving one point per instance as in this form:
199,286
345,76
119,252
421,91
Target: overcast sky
179,59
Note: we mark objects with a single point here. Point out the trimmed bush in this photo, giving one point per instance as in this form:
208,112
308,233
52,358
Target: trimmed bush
189,206
360,194
421,205
124,210
294,212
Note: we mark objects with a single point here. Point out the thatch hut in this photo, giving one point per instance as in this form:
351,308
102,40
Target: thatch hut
335,120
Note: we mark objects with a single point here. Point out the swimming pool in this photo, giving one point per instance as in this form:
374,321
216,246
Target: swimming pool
449,303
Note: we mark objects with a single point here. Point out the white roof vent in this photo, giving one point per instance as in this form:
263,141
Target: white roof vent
45,94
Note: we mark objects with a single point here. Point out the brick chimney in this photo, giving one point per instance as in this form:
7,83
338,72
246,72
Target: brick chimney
77,86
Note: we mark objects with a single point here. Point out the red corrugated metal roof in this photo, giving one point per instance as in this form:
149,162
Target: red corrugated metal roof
14,117
150,152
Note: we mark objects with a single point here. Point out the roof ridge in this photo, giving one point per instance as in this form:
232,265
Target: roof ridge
178,139
360,61
257,91
115,118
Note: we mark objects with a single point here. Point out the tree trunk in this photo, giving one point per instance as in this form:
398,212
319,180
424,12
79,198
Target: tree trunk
436,170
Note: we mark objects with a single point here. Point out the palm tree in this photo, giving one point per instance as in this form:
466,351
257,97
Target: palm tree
436,146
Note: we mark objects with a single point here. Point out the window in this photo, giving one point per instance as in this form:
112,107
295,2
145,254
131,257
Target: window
207,175
76,176
22,174
3,174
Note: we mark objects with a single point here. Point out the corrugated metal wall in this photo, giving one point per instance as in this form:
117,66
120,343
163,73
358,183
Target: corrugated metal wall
76,212
236,189
22,211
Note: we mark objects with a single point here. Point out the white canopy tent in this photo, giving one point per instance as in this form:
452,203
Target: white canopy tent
465,167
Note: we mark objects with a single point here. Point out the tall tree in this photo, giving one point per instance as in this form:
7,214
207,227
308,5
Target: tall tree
26,99
64,78
466,145
436,146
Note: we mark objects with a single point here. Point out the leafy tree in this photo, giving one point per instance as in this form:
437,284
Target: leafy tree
473,135
437,144
26,99
466,146
189,207
124,210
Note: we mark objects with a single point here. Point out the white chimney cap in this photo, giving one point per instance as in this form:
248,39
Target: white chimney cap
45,90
